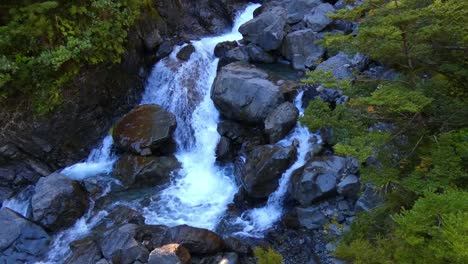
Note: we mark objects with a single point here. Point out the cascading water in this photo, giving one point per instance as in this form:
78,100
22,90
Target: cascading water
99,161
256,221
202,190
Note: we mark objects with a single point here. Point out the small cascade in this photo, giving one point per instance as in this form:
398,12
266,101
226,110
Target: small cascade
256,221
201,192
21,202
99,161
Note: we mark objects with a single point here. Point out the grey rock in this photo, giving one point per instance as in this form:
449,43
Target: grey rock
349,186
244,93
223,149
310,217
343,66
145,130
257,54
196,240
298,8
280,122
21,241
264,167
318,178
185,52
58,201
84,251
133,170
267,29
119,245
318,19
170,254
299,47
369,200
165,49
152,40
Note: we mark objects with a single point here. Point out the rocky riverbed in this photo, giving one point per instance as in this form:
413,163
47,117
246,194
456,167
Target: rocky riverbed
261,152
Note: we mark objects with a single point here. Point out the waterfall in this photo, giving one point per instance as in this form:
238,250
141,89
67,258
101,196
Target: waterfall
201,192
256,221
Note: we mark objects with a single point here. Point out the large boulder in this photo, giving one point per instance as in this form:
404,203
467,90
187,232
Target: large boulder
84,251
349,187
186,52
310,217
21,241
170,254
299,47
145,130
319,178
119,245
279,122
257,54
370,199
244,93
196,240
299,8
343,66
133,170
267,29
264,167
318,18
58,201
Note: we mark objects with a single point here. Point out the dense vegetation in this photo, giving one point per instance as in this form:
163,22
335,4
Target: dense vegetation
419,160
44,44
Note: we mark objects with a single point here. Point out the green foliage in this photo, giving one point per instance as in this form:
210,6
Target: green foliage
444,167
267,256
327,80
422,167
395,98
44,45
435,230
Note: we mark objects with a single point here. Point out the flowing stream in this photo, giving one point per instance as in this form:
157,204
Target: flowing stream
201,190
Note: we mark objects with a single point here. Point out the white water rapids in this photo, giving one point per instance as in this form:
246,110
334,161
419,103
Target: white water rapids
200,193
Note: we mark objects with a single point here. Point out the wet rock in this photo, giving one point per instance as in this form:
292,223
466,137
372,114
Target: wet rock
299,47
58,201
223,149
318,19
264,167
145,130
223,47
84,251
21,241
138,171
299,8
349,187
266,29
151,236
369,200
242,92
343,66
257,54
280,122
120,215
196,240
164,49
170,254
235,245
310,217
185,52
319,177
119,245
152,40
5,193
